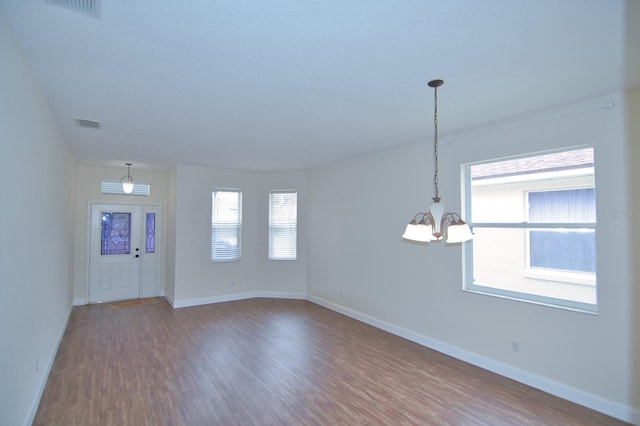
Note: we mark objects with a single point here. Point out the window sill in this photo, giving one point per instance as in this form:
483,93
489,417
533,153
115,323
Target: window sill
583,308
579,278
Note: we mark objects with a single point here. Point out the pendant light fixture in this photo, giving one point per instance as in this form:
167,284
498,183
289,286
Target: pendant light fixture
435,223
127,181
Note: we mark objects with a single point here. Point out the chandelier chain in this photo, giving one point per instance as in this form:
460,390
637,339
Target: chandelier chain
436,198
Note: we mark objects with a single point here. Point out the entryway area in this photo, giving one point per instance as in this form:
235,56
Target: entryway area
124,260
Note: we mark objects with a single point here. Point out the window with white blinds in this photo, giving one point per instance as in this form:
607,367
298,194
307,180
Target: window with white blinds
283,225
226,225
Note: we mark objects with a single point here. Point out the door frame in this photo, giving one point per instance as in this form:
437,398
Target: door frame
144,208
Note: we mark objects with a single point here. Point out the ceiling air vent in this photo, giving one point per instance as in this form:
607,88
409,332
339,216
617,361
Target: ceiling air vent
87,123
86,7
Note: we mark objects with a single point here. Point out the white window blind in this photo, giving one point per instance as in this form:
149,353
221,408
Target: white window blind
283,225
226,225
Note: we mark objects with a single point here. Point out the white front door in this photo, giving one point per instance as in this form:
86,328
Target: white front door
114,270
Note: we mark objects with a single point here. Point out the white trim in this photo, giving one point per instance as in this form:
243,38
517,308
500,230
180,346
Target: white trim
87,249
589,400
527,118
170,300
562,276
535,299
184,303
82,301
45,376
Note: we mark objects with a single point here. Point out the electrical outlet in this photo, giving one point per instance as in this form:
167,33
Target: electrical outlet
515,346
232,284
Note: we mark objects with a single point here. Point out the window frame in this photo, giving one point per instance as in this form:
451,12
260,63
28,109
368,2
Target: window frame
237,225
270,254
570,277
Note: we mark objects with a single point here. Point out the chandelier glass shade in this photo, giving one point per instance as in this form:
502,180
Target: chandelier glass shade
435,224
127,181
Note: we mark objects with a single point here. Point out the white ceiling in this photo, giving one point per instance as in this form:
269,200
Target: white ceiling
295,84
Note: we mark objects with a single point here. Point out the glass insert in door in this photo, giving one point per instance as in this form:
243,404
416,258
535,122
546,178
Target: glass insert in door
115,233
150,246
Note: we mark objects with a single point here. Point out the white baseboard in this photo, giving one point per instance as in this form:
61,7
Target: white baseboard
281,295
47,371
82,301
170,300
586,399
184,303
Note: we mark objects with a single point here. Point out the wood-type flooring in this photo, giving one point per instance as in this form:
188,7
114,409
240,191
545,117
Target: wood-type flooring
272,362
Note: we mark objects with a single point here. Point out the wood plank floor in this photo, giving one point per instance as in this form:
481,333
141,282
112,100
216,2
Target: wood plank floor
272,362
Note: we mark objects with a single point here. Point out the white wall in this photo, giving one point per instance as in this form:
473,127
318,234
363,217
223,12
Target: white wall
632,74
358,262
88,180
633,118
195,278
36,219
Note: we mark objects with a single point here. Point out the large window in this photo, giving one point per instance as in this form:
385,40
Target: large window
534,221
283,225
226,225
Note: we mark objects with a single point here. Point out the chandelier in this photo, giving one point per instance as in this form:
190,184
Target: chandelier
434,224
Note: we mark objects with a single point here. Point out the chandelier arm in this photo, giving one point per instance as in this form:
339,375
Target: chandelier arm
453,217
429,218
432,221
418,215
447,219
